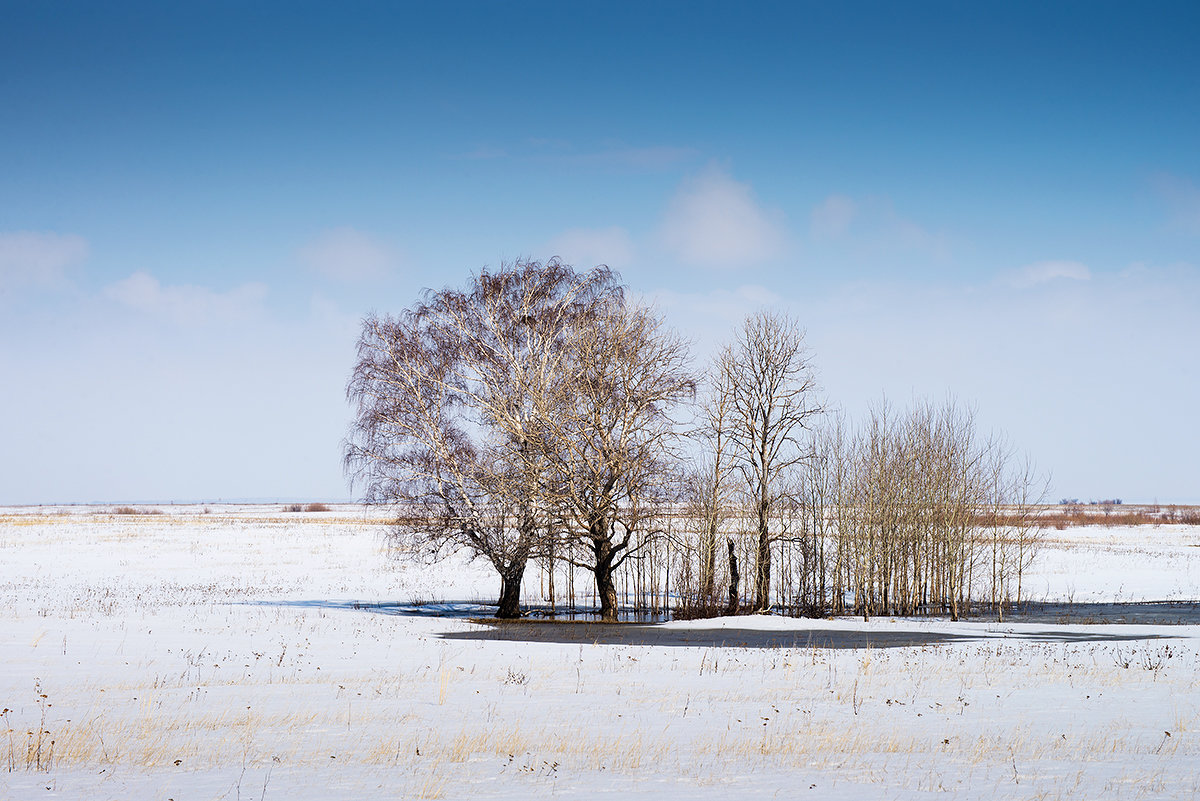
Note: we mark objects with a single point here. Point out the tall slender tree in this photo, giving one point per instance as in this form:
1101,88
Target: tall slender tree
772,386
710,485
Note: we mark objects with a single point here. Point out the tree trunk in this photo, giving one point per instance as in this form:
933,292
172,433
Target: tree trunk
509,605
734,578
606,588
762,571
708,562
953,592
550,581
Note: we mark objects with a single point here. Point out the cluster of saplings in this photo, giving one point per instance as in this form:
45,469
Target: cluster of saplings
539,417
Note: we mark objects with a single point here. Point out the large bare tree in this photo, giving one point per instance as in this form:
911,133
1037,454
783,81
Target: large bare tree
451,400
612,435
772,389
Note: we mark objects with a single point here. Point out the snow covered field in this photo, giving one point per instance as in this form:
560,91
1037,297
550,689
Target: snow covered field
237,654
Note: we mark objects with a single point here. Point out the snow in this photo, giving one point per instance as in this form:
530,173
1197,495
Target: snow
1127,563
250,653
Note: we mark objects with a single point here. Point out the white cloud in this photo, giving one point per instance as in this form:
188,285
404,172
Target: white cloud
348,254
31,258
715,221
832,218
587,247
186,304
1043,272
872,225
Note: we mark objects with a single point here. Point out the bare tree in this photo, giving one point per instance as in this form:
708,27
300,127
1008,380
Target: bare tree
611,436
931,515
451,399
710,484
1015,489
823,560
772,388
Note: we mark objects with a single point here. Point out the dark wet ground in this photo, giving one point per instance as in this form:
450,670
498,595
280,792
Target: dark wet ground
582,627
1142,613
730,637
464,610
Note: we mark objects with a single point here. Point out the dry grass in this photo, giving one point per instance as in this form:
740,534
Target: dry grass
306,507
1061,517
784,709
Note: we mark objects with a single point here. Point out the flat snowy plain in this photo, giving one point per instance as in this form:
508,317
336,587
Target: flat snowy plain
250,654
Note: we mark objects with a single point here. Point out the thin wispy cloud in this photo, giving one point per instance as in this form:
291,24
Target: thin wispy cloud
715,221
914,236
588,247
1044,272
872,224
348,254
638,158
832,218
39,259
186,304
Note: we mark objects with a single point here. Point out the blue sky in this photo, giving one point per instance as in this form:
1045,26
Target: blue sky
199,202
